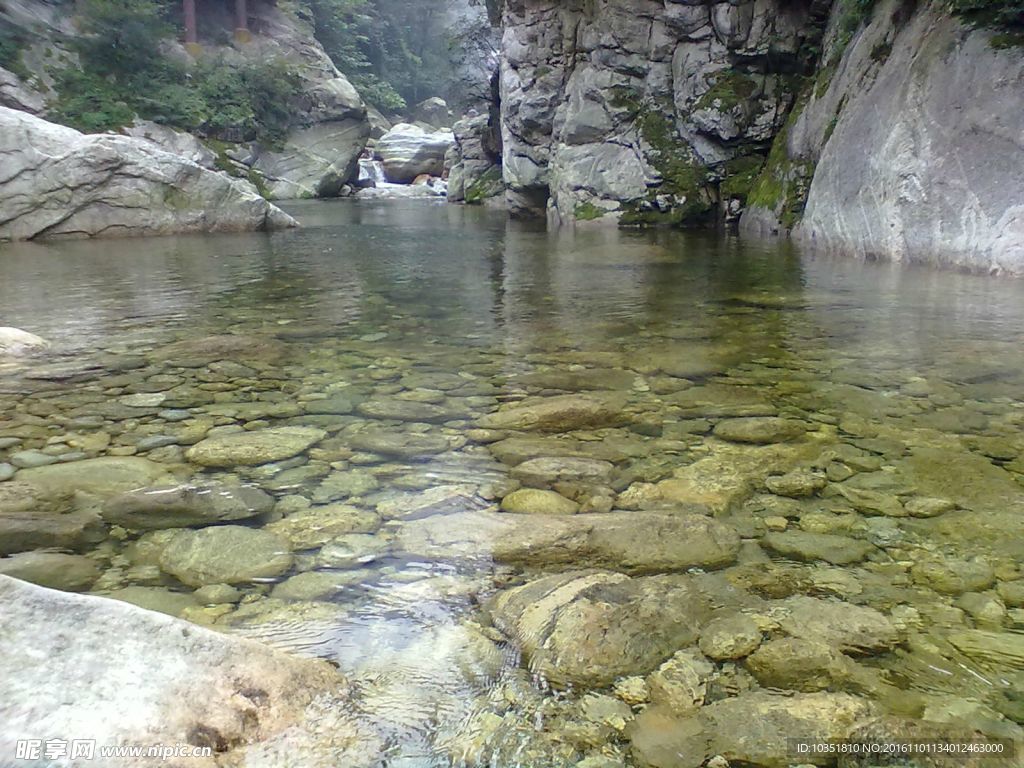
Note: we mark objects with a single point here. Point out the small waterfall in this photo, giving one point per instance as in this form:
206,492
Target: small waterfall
371,173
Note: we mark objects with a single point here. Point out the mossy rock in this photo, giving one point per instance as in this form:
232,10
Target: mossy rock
490,184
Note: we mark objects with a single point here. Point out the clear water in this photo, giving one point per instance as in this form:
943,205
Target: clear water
391,299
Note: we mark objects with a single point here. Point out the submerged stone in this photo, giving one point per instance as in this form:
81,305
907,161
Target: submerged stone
536,501
182,506
759,430
591,627
256,447
227,554
562,413
71,573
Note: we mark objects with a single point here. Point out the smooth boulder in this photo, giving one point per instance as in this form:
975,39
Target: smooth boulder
62,183
409,151
139,677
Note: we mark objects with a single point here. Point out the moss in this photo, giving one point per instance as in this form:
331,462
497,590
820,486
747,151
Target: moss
625,98
587,211
784,181
488,185
881,52
685,178
740,176
12,43
1006,40
730,89
224,163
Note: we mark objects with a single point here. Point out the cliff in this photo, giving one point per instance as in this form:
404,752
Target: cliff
886,130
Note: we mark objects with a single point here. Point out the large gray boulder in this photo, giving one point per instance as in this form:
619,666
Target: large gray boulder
926,163
315,161
409,151
118,674
176,142
58,182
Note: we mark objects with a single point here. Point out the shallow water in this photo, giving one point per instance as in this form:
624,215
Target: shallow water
438,315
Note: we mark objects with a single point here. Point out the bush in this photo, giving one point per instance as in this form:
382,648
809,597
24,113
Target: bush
1001,14
11,44
122,74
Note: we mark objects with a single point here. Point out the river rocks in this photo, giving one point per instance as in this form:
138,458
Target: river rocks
759,430
535,501
730,637
182,506
590,627
634,542
315,526
101,477
854,629
408,151
114,185
802,545
71,573
562,413
14,342
256,447
227,554
175,142
209,689
750,729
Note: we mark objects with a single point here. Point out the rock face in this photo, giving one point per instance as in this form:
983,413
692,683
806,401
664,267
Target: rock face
208,689
176,142
637,111
475,175
409,151
908,152
62,183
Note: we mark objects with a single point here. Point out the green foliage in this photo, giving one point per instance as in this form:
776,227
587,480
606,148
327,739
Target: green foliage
740,175
730,89
488,185
1005,15
587,211
343,28
684,175
784,182
122,74
11,45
